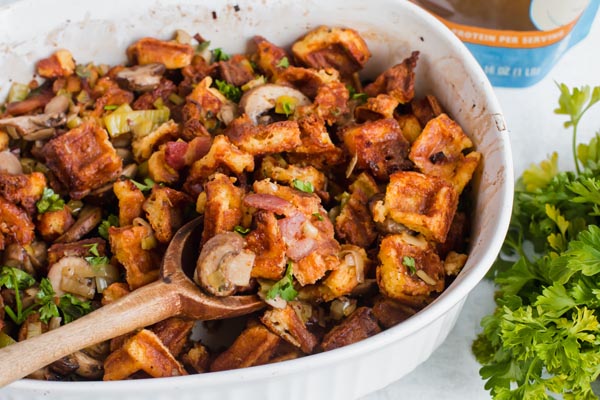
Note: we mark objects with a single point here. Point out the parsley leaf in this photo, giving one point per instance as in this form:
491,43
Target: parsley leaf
409,262
303,186
146,186
318,216
49,201
45,299
219,55
72,308
284,288
241,230
228,90
111,220
283,63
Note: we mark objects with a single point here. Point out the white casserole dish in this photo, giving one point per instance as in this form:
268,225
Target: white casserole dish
101,31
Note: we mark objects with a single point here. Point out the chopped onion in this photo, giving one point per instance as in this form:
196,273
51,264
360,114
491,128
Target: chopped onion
54,323
425,278
353,258
310,230
34,329
351,165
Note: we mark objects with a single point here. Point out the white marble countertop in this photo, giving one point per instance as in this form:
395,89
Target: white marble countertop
535,132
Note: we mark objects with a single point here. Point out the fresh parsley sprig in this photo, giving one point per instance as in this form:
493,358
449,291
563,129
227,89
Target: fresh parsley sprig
284,288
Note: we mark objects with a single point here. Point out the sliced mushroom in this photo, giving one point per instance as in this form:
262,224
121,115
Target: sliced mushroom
89,367
10,163
71,269
33,127
141,78
59,104
224,265
262,98
89,217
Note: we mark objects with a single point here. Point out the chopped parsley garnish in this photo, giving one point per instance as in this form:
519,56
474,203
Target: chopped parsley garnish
318,216
111,107
202,46
303,186
83,71
111,220
95,259
241,230
284,288
228,90
354,95
219,55
409,262
146,186
283,63
72,308
49,202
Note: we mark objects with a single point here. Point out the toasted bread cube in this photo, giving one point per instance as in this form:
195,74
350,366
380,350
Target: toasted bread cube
342,280
275,137
390,312
360,325
222,153
410,270
83,159
268,245
379,146
222,211
164,210
143,351
206,105
60,64
159,170
141,266
130,199
174,333
23,189
268,56
380,107
280,171
171,54
438,151
426,109
398,81
411,128
114,292
143,146
286,323
355,224
340,48
197,359
331,102
425,204
454,263
254,346
15,225
53,224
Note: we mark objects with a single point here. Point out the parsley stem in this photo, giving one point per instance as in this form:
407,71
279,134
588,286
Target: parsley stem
574,146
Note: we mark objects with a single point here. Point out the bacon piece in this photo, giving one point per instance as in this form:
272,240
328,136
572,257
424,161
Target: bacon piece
360,325
237,70
163,91
180,154
271,203
32,103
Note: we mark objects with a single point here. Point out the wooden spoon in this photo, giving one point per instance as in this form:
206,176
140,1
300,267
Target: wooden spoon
172,295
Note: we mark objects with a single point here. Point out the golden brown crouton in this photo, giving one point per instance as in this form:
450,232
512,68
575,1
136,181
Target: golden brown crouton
331,101
267,243
222,211
208,106
411,128
83,159
164,210
360,325
375,108
398,81
254,346
288,325
171,54
268,56
23,189
197,359
307,80
355,224
130,199
276,137
15,225
340,48
410,270
127,244
425,204
390,312
173,333
454,263
350,272
53,224
108,93
114,292
438,151
222,154
159,170
278,170
143,351
379,146
142,147
59,64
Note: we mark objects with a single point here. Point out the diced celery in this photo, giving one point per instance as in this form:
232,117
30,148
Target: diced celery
5,340
119,122
18,92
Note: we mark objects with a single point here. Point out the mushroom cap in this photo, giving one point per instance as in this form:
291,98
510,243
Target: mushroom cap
261,99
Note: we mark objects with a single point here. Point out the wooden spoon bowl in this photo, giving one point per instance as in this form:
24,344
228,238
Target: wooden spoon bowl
174,294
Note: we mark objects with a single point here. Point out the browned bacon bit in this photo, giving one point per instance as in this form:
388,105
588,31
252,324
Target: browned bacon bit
271,203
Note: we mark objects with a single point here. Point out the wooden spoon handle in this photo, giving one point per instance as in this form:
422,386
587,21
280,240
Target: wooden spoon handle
142,307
